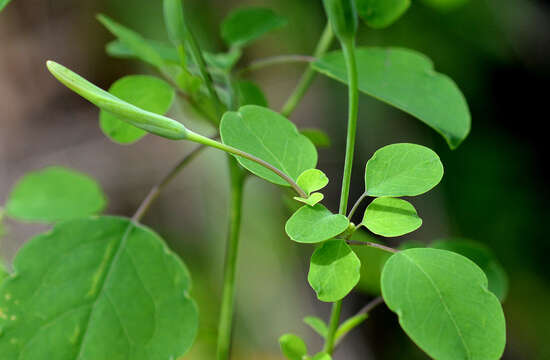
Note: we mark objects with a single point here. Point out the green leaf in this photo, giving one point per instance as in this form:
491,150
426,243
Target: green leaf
322,356
391,217
381,13
3,271
406,79
146,92
54,194
349,325
484,258
312,180
312,200
318,325
402,170
333,271
99,288
445,5
243,26
135,42
372,262
444,305
175,22
315,224
292,347
3,4
148,121
223,62
318,137
271,137
118,49
251,94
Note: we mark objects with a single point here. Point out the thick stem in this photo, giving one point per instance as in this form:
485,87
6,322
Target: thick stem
309,74
237,176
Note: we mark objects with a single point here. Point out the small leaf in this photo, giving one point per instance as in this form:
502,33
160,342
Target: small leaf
318,325
349,325
145,92
223,62
251,94
315,224
322,356
444,305
312,180
391,217
271,137
406,79
292,347
333,271
372,263
99,288
54,194
402,170
318,137
118,49
243,26
312,200
381,13
3,4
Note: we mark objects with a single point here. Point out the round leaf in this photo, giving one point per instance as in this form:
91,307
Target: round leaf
312,180
146,92
444,305
292,347
243,26
334,270
271,137
313,224
402,170
54,194
391,217
381,13
101,288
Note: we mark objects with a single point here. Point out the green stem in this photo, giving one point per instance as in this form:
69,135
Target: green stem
309,74
237,176
275,60
333,327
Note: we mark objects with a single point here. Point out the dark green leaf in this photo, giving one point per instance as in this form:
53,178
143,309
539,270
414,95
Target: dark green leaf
311,225
391,217
381,13
292,347
444,305
251,94
318,325
406,79
445,5
54,194
243,26
318,137
100,288
271,137
334,270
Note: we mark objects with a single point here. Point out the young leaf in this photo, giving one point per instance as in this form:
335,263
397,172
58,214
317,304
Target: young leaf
243,26
271,137
3,4
315,224
372,262
118,49
484,258
402,170
318,325
444,305
322,356
54,194
99,288
146,92
251,94
381,13
312,200
148,121
312,180
406,79
175,22
333,270
293,347
349,325
318,137
223,62
391,217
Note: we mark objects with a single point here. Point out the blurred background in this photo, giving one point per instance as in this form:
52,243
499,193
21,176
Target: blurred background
495,189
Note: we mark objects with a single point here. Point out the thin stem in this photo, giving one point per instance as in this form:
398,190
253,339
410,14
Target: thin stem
374,245
356,205
237,177
333,327
364,311
275,60
309,74
156,190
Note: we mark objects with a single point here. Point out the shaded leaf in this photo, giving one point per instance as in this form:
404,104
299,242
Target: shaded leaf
54,194
312,180
243,26
292,347
318,137
315,224
445,5
391,217
251,94
334,270
312,200
444,305
381,13
406,79
318,325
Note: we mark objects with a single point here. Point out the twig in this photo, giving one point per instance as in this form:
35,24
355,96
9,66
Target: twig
374,245
275,60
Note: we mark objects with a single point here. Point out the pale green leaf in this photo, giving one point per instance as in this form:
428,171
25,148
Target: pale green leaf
96,289
315,224
381,13
271,137
251,94
292,347
174,21
318,325
312,180
402,170
147,93
391,217
223,62
334,270
349,325
118,49
312,200
148,121
3,4
243,26
407,80
444,305
318,137
54,194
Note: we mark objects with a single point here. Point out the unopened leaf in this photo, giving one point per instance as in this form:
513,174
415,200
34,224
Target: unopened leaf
243,26
54,194
251,94
391,217
402,170
312,180
312,200
292,347
334,270
381,13
318,137
315,224
444,305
